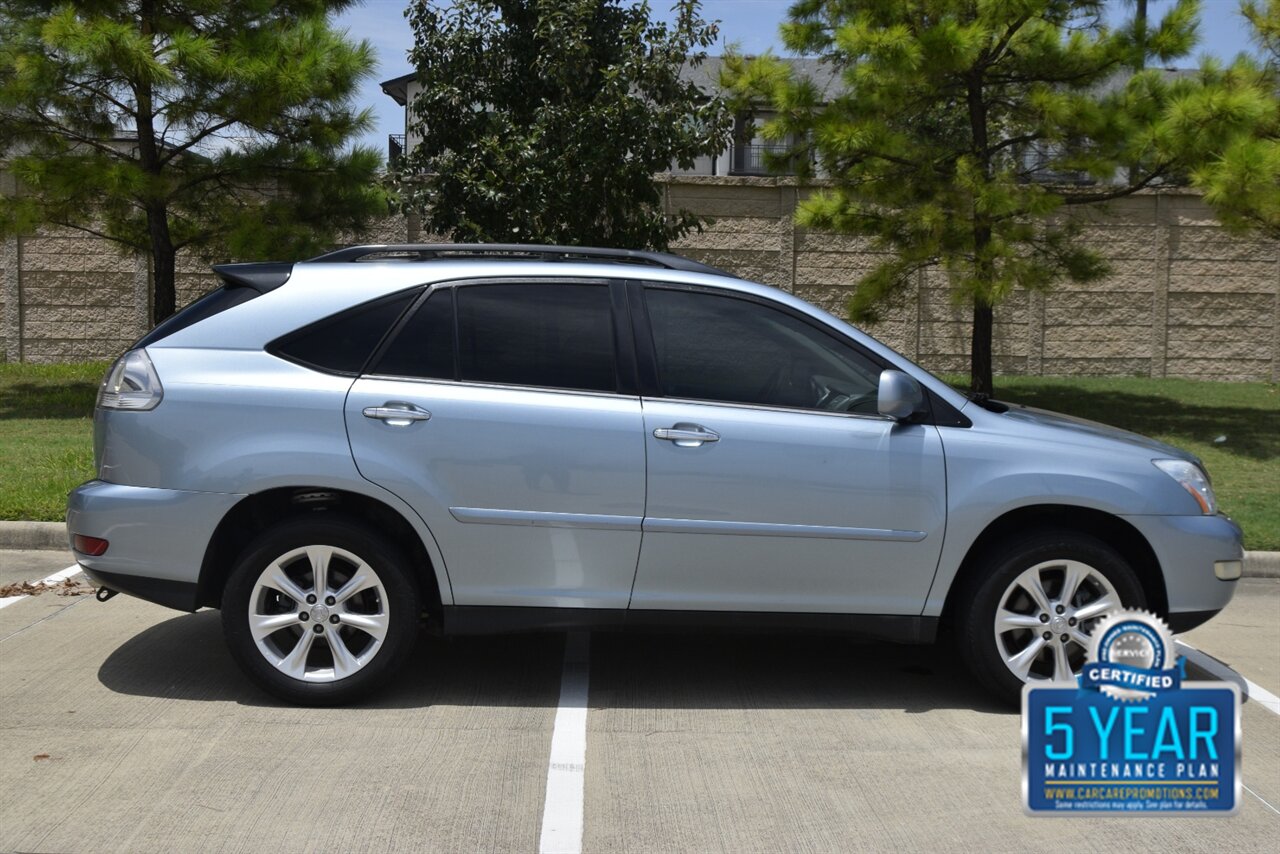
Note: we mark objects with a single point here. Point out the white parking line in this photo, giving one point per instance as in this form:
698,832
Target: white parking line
56,578
1248,687
566,771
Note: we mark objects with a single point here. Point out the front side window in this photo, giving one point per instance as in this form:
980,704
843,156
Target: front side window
547,335
721,348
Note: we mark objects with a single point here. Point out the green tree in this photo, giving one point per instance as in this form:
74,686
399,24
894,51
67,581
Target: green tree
545,120
162,125
947,113
1242,183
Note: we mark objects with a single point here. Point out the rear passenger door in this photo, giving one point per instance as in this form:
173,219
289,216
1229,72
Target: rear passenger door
503,411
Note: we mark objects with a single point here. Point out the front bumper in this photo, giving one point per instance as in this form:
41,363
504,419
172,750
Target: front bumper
1187,547
157,537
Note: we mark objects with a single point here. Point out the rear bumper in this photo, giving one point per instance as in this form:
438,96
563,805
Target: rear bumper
1187,548
157,537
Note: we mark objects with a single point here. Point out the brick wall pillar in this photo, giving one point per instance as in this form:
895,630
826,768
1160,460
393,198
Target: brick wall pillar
12,286
789,199
1035,333
1162,251
141,294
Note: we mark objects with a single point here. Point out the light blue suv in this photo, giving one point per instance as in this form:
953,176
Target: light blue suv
488,438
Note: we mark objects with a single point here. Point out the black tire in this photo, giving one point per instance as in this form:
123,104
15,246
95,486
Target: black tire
395,603
997,570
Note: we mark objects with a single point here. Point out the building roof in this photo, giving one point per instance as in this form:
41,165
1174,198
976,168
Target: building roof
398,87
706,75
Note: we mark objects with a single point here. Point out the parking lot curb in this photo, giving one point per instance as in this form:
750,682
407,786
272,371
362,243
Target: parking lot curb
33,535
1262,564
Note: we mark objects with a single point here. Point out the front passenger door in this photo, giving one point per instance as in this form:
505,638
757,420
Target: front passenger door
773,484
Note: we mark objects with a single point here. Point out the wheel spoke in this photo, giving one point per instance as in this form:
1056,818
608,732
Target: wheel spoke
276,579
319,557
344,663
1061,666
374,625
1035,589
1021,663
1079,636
295,663
1008,621
1073,574
262,625
361,580
1097,607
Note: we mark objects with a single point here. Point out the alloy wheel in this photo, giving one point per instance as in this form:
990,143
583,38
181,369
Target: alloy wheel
1044,618
318,613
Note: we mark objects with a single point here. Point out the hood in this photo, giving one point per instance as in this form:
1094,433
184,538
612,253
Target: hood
1093,429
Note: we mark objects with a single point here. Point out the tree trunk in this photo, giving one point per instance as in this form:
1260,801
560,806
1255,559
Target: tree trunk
980,374
980,378
164,267
163,254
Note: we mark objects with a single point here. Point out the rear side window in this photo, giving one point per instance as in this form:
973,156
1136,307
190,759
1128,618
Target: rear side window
423,347
553,336
343,342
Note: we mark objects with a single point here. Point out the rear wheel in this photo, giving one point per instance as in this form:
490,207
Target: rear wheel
1029,617
320,610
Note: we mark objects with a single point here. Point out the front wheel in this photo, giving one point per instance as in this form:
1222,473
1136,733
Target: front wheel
320,611
1028,619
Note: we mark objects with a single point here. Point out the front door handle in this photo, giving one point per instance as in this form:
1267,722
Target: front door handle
395,413
686,435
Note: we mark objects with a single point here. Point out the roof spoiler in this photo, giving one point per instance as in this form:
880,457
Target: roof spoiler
261,276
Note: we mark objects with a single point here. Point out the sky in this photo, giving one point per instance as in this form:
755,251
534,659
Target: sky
750,24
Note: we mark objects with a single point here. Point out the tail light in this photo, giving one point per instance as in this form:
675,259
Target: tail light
132,383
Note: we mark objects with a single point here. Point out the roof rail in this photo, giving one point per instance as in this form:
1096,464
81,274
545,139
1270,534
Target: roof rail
514,251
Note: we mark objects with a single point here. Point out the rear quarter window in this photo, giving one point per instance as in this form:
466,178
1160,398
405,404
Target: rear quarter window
343,342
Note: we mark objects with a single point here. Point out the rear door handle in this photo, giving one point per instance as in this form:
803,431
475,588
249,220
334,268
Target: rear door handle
686,435
395,413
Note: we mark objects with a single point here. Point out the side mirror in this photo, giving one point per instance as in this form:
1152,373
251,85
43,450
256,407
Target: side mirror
900,396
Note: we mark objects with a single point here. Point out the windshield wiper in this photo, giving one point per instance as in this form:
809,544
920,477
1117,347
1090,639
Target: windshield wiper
986,401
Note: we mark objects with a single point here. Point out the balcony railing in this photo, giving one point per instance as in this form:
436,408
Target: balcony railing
750,159
395,150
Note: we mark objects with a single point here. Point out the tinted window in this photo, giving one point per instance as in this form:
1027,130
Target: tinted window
424,345
558,336
342,343
713,347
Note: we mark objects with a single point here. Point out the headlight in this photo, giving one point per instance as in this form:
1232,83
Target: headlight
1193,480
132,383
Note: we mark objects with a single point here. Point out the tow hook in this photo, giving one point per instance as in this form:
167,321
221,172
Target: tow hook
105,593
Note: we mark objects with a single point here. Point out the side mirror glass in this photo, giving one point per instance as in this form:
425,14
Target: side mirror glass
900,396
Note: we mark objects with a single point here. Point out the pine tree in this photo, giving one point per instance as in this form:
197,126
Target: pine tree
1242,182
948,115
221,126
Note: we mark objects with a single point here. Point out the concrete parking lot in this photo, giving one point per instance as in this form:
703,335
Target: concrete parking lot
126,727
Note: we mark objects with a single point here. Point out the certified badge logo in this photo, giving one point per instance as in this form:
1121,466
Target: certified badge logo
1131,735
1131,657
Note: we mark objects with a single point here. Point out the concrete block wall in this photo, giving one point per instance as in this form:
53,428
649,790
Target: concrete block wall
1183,298
69,296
